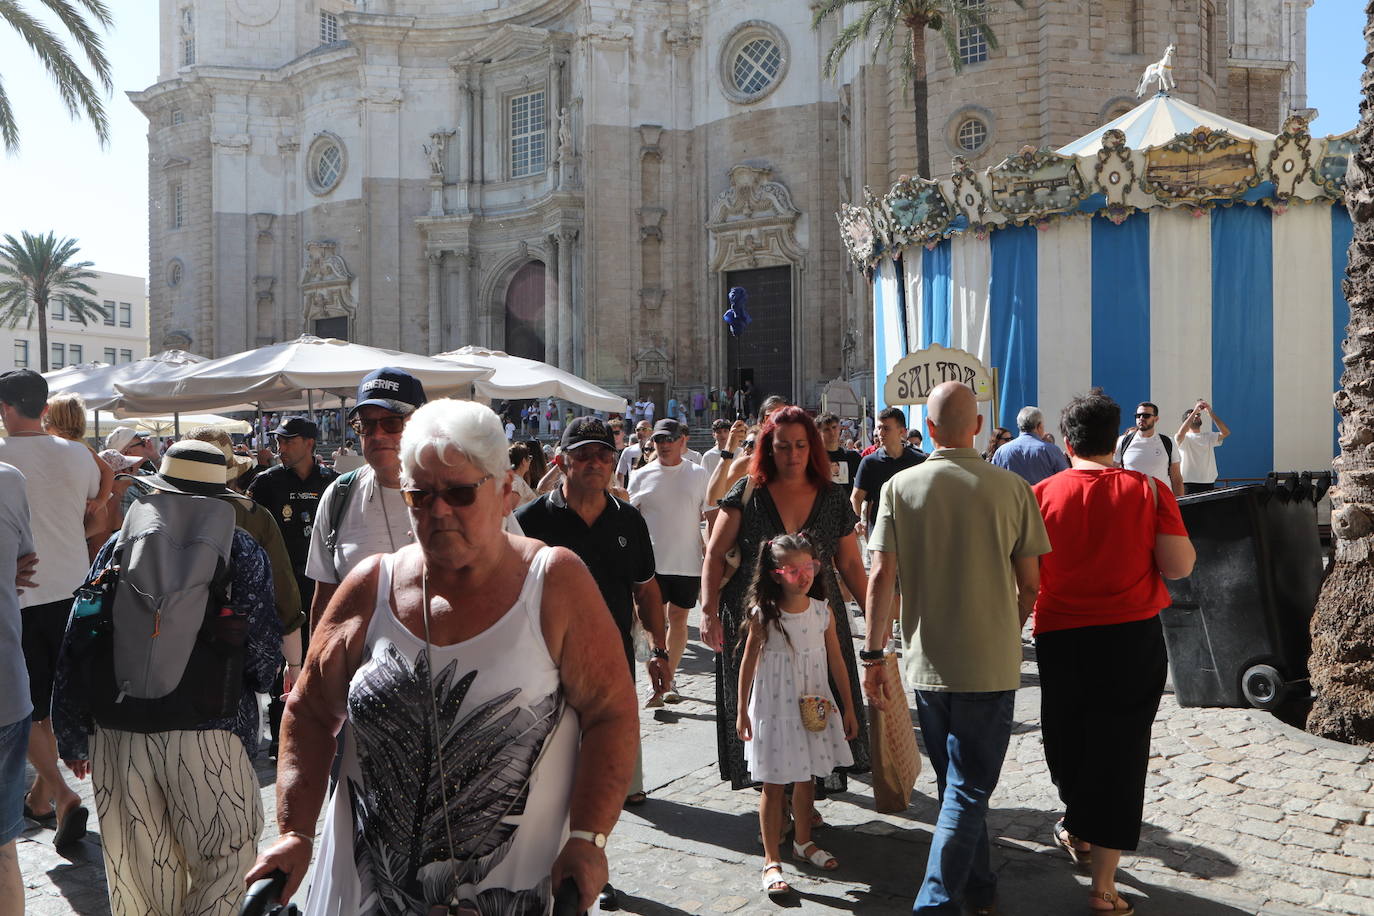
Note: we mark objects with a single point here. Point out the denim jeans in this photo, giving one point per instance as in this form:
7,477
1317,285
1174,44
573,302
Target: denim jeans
966,736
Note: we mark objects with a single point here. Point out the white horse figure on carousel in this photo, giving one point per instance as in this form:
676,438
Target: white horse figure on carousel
1161,70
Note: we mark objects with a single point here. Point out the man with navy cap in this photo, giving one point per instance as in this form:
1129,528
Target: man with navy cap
362,513
291,491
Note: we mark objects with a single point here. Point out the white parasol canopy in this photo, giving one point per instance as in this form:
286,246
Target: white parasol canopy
281,372
1157,121
95,382
515,377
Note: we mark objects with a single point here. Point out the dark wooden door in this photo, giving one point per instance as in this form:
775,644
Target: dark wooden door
764,352
525,312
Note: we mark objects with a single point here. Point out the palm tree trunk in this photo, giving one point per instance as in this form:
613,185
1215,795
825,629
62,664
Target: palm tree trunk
920,94
40,302
1342,662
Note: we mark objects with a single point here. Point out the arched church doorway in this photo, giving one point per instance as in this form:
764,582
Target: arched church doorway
525,312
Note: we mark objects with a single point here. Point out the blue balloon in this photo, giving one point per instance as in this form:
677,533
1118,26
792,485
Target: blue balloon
735,316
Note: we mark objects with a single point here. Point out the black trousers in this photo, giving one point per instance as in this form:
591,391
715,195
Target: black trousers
1099,693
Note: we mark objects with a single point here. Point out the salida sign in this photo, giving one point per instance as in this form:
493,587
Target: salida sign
917,374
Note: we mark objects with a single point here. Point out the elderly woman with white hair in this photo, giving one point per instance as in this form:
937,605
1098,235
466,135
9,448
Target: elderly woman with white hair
491,732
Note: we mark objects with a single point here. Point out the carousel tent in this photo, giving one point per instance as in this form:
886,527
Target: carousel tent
1158,121
1207,265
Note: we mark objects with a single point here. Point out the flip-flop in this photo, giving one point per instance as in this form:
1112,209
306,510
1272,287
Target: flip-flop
47,820
1069,843
72,828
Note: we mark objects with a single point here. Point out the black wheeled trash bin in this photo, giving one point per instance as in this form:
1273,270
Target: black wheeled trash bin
1237,628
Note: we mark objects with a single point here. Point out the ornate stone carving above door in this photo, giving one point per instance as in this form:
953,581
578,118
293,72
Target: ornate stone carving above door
753,223
326,284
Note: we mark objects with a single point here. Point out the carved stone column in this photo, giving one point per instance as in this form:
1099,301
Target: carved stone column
436,298
551,300
565,321
462,306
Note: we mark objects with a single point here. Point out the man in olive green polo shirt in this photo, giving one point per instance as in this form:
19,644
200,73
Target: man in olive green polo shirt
966,538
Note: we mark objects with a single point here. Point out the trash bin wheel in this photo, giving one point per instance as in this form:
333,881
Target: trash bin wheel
1263,686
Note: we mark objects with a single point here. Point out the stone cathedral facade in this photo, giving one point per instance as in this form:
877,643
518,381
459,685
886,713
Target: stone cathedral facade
582,181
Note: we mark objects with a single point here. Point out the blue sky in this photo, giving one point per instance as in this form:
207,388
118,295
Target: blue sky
62,180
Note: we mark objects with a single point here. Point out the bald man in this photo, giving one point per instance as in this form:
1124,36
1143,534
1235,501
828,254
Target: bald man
966,537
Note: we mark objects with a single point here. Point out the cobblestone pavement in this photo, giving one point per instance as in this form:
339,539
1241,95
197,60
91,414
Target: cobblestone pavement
1244,815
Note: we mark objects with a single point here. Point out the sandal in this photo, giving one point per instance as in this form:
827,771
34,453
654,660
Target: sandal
1120,905
71,828
47,820
817,856
776,887
1069,843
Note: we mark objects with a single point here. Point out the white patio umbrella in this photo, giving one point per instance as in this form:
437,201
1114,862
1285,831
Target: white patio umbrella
95,382
515,377
283,372
169,425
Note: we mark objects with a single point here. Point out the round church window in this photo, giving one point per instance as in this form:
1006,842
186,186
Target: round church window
753,61
972,134
325,163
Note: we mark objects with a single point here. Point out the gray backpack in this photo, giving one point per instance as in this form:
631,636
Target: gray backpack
164,647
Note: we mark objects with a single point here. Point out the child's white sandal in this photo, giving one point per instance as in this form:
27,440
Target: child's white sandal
817,857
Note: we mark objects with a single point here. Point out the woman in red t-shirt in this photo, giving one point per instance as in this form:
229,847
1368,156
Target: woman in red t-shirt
1116,535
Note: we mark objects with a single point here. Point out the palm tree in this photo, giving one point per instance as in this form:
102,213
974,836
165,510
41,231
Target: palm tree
947,18
78,93
37,269
1342,662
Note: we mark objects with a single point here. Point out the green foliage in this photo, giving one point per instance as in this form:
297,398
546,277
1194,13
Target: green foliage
78,92
945,17
36,270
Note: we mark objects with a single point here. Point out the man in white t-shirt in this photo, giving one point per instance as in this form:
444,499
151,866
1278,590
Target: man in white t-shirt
671,495
629,458
374,518
1197,444
720,429
1144,449
63,482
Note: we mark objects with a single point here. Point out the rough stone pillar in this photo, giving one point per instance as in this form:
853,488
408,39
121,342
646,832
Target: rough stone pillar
436,298
565,319
551,293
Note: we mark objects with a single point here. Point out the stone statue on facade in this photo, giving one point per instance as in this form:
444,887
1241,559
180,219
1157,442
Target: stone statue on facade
565,138
434,152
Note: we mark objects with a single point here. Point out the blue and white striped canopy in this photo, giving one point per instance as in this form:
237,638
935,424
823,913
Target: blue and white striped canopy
1159,120
1240,305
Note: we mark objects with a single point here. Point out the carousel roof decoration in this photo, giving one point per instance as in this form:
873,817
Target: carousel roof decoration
1163,153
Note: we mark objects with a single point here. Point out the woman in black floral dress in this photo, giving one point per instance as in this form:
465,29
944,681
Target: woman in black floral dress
791,493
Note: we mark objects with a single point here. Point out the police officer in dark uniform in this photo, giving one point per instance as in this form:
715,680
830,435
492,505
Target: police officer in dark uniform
291,492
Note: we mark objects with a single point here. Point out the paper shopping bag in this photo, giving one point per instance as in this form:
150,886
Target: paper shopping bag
892,745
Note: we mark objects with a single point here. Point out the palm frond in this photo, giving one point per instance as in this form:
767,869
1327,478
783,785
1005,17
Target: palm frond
74,87
9,130
87,40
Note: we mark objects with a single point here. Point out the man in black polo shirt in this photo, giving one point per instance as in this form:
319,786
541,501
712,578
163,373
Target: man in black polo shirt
892,456
611,537
291,492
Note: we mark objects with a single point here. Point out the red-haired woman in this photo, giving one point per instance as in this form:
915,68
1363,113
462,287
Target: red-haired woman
791,493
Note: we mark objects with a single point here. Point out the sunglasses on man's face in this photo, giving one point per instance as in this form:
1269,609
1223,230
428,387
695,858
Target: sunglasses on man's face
390,425
458,496
1140,416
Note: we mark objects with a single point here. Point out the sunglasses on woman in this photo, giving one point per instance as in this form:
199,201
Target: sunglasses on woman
390,425
799,570
457,496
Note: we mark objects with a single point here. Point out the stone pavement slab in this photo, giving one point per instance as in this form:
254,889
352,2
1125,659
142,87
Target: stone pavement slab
1244,815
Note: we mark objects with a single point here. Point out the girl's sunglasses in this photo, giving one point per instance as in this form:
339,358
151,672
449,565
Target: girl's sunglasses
797,571
456,496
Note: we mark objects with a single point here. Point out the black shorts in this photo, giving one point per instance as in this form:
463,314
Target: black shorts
43,626
681,591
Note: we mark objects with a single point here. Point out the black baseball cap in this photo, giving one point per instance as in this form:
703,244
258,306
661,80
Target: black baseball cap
395,389
297,426
24,390
587,431
668,428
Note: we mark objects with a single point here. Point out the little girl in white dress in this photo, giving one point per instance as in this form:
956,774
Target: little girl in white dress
789,723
